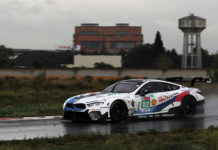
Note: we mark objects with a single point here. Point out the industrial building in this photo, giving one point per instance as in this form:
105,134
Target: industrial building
110,39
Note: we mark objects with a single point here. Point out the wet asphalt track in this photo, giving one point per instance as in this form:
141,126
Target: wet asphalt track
55,127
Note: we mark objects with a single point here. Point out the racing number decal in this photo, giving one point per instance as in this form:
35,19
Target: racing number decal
145,104
147,101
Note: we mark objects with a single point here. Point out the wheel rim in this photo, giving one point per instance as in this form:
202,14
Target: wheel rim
189,109
118,111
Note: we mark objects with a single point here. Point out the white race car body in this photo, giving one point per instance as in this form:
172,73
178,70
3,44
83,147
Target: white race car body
133,95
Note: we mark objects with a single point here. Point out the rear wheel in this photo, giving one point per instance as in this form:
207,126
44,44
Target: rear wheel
188,107
118,111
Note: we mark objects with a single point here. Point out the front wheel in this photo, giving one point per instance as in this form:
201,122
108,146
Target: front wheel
118,111
188,107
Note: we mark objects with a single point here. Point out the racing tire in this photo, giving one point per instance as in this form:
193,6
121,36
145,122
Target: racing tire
188,107
118,111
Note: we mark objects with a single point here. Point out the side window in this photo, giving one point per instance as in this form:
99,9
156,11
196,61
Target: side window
170,87
154,87
157,87
109,89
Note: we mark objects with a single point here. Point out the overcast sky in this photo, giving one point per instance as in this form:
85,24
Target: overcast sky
41,24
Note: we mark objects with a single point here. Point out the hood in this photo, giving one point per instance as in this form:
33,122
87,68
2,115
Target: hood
96,97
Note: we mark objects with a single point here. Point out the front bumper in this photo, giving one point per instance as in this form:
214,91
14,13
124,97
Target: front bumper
84,116
76,116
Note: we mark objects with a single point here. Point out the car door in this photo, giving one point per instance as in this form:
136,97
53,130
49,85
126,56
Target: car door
151,101
171,89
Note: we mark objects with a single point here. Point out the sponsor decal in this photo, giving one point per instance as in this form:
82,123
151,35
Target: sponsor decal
173,95
163,98
171,99
153,102
110,94
152,96
145,105
147,98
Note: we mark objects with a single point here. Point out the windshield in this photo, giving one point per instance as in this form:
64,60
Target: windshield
122,87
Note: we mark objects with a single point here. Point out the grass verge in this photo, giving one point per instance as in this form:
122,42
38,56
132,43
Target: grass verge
181,139
41,96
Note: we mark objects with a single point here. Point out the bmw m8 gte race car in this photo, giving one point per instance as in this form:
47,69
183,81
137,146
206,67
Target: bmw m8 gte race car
135,98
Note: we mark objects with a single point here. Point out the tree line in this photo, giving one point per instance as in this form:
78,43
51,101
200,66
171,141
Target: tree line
156,56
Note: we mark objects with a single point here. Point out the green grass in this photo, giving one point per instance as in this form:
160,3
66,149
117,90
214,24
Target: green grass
31,102
39,97
176,140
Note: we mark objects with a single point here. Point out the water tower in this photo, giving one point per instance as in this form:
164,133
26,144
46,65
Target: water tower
192,27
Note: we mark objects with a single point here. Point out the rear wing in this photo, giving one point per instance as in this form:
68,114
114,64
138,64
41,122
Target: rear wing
191,80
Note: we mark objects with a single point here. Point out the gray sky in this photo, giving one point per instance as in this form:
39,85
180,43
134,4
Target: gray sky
41,24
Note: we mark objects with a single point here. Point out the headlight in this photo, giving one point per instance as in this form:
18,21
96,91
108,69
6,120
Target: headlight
95,104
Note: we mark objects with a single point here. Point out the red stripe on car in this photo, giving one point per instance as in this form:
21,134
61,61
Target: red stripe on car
181,96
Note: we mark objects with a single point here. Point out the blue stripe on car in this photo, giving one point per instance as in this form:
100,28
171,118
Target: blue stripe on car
163,105
71,101
158,107
75,99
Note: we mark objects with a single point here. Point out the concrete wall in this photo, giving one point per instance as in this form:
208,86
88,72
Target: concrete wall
105,73
88,61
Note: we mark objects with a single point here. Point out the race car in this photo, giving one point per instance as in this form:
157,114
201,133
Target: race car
135,98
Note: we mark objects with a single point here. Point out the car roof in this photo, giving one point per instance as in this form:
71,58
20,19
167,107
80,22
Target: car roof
140,81
134,80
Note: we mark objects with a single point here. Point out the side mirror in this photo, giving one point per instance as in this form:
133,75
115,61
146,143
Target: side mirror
143,92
